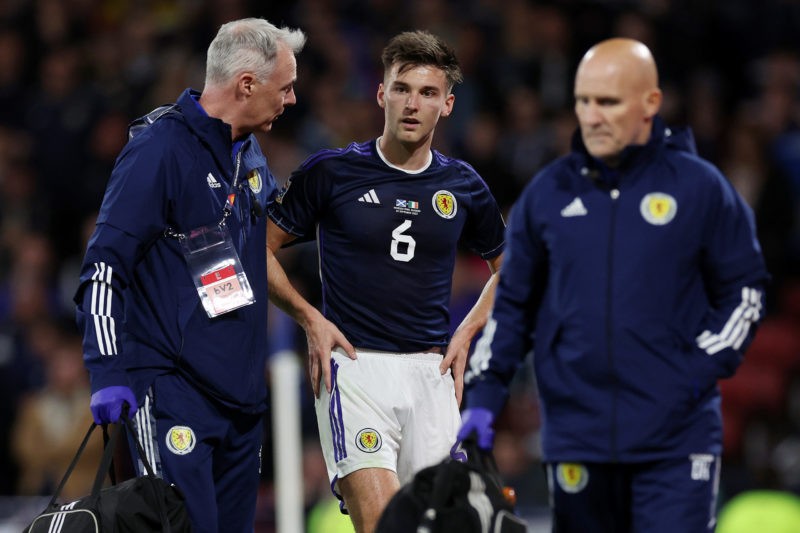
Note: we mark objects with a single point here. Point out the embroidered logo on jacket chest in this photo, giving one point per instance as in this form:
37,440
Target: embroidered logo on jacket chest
254,181
212,181
658,208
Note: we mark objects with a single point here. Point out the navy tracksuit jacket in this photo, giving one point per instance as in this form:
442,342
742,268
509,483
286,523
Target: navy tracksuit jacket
199,381
637,289
175,175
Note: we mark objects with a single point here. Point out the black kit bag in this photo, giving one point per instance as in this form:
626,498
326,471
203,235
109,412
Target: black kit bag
143,504
453,496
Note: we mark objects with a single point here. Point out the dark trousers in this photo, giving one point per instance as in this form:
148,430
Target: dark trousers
654,497
212,453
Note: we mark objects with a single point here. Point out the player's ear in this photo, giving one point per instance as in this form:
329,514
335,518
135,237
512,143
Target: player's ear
381,96
448,105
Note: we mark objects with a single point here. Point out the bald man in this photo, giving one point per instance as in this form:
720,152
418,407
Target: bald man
634,265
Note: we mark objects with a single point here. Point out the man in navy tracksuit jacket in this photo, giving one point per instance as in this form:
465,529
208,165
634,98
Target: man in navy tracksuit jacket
634,274
194,378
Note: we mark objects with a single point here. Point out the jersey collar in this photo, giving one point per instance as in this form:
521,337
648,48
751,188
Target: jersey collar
417,171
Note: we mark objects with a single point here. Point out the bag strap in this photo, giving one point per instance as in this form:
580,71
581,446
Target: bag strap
105,462
139,450
105,466
157,490
159,496
72,464
106,438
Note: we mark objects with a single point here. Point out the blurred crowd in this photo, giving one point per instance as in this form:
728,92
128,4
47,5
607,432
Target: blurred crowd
73,73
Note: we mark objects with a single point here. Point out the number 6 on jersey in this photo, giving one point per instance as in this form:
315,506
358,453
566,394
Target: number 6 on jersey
398,237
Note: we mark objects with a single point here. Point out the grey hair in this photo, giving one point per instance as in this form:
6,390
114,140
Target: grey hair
249,44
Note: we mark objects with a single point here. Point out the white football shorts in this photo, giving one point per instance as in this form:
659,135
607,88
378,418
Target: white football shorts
386,410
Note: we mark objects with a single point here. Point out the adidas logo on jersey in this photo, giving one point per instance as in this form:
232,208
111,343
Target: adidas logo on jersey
370,197
574,209
212,181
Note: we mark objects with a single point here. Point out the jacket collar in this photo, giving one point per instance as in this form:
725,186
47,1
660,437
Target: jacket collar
213,132
661,137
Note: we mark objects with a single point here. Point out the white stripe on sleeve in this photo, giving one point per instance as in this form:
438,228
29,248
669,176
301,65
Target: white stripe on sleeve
104,324
735,330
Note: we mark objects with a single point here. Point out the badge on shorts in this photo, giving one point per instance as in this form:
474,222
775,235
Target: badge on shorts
368,440
572,477
180,440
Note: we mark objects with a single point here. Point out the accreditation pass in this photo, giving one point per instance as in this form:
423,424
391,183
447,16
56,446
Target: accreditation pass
223,290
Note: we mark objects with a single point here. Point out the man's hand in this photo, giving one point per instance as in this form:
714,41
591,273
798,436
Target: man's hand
456,360
479,421
106,404
322,337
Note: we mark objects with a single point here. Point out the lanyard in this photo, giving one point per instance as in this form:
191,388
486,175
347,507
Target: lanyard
233,190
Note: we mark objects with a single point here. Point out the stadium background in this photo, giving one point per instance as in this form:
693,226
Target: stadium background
73,73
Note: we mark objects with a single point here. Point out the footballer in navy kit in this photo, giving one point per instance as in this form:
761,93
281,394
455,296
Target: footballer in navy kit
389,216
388,240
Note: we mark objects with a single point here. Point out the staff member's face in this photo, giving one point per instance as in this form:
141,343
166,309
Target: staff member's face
269,98
613,111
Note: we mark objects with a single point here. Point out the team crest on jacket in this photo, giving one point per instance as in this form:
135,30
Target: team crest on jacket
444,203
572,477
282,192
658,208
254,181
180,440
368,440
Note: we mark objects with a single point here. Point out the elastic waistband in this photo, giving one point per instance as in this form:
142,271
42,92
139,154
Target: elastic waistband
423,356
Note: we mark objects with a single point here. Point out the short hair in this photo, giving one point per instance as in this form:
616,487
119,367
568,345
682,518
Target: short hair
249,44
415,48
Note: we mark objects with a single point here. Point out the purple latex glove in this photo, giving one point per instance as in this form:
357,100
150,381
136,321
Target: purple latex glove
458,453
106,404
479,421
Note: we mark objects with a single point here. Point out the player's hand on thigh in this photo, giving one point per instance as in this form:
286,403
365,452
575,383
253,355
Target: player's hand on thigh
322,337
456,360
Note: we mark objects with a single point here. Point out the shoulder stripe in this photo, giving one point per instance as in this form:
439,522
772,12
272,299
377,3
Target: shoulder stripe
463,167
313,159
736,329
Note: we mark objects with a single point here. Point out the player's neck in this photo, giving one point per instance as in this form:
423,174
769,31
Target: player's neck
412,158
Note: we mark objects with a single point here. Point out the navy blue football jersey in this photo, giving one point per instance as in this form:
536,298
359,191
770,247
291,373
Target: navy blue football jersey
387,240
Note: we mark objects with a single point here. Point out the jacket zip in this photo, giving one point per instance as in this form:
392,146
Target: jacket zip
238,189
242,231
614,194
